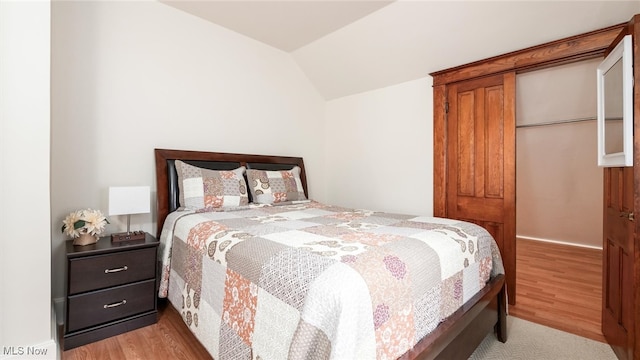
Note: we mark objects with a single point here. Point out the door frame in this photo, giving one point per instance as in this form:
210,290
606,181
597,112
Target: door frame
564,51
633,27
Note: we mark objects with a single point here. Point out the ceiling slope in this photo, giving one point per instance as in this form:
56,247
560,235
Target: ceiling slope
409,39
348,47
286,25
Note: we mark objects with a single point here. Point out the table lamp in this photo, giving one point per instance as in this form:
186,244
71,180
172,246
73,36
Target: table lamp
128,200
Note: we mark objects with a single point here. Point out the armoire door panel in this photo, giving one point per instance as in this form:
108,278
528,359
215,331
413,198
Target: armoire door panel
480,142
617,302
607,191
619,233
480,126
466,143
626,292
628,198
494,161
480,209
612,289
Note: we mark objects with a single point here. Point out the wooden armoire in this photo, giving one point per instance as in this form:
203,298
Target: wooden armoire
474,167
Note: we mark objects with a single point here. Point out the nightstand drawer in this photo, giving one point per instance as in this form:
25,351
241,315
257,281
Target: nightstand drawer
102,306
101,271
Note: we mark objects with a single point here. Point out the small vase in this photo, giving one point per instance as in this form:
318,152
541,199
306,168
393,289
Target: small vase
85,239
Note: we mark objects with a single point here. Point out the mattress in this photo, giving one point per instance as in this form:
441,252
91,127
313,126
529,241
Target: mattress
306,280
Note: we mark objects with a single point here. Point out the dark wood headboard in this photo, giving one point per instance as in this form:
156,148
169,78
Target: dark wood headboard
166,177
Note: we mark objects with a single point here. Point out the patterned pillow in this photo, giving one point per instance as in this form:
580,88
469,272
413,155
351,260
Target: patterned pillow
206,190
269,187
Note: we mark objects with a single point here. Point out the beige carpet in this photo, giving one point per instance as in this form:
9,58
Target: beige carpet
527,340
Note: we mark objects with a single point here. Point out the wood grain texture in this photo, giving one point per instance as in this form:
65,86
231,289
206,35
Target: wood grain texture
560,286
621,272
480,147
509,178
617,281
634,29
575,48
580,47
169,338
108,274
439,152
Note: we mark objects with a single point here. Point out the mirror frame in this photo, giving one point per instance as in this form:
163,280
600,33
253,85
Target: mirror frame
622,51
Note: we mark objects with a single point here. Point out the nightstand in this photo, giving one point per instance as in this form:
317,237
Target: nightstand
111,289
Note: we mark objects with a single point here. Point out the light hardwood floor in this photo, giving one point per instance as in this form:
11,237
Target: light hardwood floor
558,286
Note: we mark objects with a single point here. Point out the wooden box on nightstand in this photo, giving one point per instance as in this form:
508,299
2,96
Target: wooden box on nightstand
111,289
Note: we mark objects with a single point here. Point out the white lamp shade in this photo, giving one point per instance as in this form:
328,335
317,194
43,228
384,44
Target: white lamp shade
124,200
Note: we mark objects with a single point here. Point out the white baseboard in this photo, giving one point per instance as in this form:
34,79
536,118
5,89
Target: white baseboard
558,242
58,304
54,330
48,350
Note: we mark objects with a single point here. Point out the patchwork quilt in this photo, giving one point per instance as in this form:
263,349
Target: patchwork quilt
306,280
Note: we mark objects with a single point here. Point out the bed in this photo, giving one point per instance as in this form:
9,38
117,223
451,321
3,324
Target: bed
270,274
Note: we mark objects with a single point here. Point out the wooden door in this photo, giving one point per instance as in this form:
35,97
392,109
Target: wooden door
481,161
621,248
617,279
567,50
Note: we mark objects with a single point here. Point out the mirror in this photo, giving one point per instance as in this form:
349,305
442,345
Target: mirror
615,107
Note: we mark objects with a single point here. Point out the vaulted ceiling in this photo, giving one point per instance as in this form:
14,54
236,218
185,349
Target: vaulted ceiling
350,46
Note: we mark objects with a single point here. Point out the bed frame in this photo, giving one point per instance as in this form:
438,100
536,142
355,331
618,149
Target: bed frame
455,338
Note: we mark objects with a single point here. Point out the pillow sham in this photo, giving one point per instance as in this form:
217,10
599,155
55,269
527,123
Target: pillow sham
205,190
271,187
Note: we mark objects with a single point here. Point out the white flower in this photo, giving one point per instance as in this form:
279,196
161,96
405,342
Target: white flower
94,221
86,221
69,223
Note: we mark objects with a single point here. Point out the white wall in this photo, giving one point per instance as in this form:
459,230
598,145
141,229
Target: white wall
379,149
25,247
128,77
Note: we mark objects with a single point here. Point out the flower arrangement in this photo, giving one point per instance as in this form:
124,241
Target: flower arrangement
85,221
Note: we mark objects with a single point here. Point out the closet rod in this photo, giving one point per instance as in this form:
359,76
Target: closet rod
557,122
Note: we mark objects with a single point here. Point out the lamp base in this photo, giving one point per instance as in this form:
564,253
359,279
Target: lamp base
128,236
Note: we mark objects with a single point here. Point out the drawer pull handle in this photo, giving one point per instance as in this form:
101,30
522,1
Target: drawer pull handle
108,271
115,304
